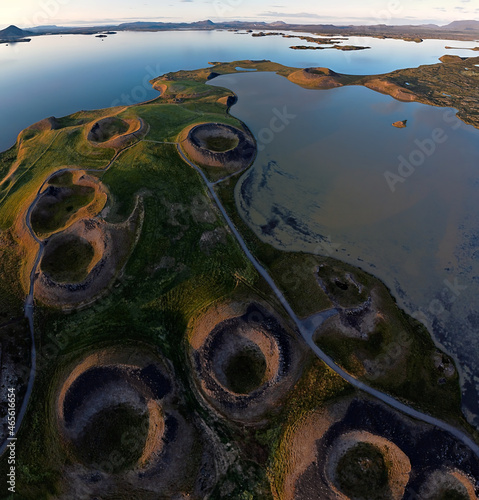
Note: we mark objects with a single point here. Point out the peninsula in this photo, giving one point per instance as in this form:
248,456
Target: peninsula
166,349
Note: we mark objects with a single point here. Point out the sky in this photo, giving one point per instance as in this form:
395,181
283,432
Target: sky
27,13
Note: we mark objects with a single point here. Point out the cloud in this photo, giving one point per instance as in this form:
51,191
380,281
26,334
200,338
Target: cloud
107,21
271,13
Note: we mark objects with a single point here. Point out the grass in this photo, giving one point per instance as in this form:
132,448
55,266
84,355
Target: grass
447,84
399,350
410,377
168,122
340,284
167,281
452,494
245,371
11,293
68,262
50,216
362,472
106,441
64,179
453,83
153,302
220,144
317,387
48,152
110,127
292,272
7,158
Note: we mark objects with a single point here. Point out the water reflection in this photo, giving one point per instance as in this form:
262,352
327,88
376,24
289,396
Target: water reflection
323,176
58,75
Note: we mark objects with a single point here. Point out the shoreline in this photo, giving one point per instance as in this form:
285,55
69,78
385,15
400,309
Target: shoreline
409,33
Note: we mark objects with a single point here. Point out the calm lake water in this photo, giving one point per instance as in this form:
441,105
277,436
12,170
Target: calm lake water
319,184
58,75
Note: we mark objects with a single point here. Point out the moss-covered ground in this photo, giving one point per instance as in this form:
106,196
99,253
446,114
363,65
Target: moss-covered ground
167,281
69,261
102,436
362,472
55,214
245,371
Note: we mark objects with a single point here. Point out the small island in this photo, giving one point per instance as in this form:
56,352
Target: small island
161,316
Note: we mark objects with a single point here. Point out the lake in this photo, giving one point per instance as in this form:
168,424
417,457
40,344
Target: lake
319,184
58,75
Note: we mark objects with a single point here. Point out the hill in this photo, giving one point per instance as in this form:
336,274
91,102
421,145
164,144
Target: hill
462,26
12,32
457,30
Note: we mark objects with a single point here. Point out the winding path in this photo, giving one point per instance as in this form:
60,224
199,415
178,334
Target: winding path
308,326
29,301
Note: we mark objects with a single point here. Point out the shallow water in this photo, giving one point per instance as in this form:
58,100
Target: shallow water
318,184
58,75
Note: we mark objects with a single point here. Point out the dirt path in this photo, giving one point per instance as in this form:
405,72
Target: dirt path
308,326
29,301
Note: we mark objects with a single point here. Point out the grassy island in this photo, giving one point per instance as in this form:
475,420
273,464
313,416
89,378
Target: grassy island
165,363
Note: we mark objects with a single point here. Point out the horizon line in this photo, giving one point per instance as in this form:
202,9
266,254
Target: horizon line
113,23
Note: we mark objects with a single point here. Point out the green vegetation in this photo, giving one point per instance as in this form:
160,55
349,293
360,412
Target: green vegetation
11,292
318,387
69,260
245,480
7,158
397,355
362,473
53,213
400,349
344,288
294,273
191,83
107,128
245,371
166,126
113,440
220,144
451,494
63,179
39,158
168,280
452,83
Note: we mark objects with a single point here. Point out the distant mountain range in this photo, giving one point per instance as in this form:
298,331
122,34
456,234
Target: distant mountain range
461,30
13,33
463,26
